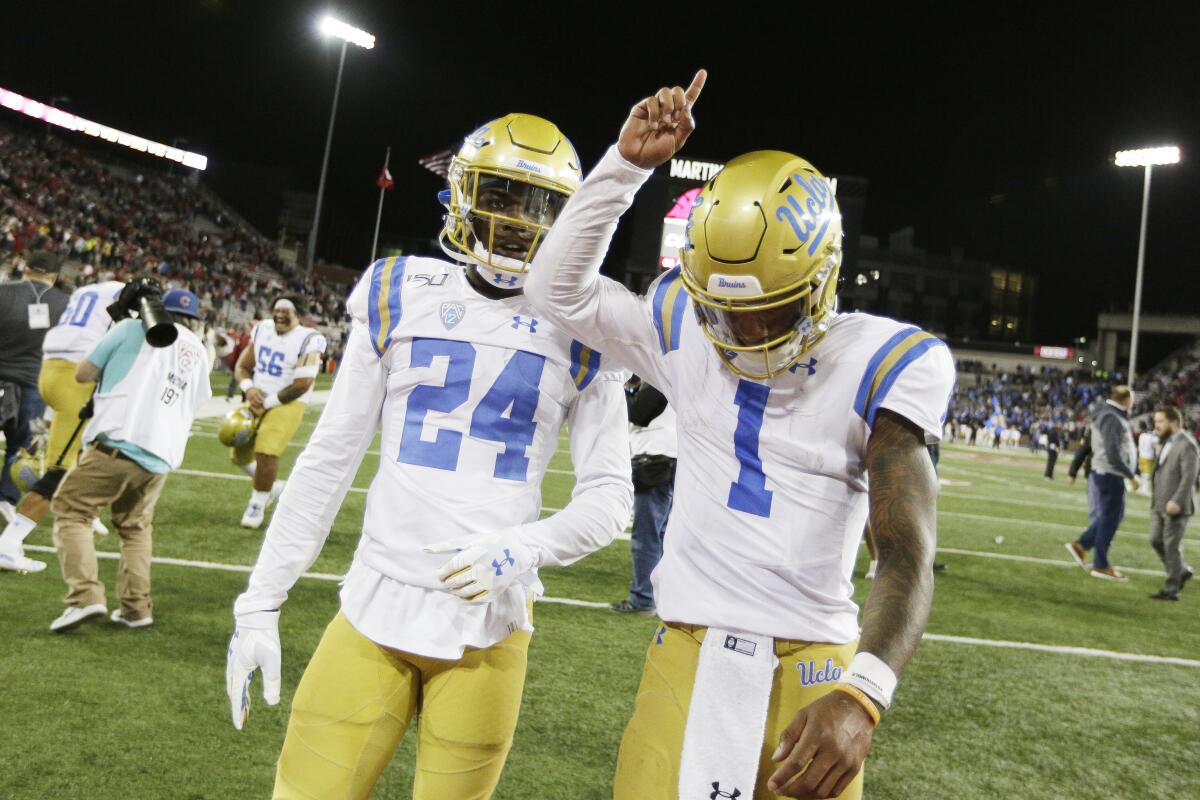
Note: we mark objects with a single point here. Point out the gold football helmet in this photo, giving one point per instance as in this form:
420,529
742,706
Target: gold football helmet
27,468
764,245
508,183
238,428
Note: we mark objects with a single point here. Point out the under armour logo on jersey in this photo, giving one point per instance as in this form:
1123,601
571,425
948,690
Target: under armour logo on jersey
718,793
452,314
810,365
500,280
531,324
499,563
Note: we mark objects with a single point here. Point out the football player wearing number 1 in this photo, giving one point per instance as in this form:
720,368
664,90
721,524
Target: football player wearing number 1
759,683
284,358
471,389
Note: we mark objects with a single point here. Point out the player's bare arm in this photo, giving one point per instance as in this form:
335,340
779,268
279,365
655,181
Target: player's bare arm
244,371
659,125
827,742
300,386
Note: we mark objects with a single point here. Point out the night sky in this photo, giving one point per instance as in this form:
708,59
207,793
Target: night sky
994,133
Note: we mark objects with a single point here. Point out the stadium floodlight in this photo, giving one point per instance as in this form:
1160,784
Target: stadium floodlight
56,116
334,27
349,35
1147,158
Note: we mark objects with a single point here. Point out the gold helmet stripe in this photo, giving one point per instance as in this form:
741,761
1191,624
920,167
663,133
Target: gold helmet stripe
885,367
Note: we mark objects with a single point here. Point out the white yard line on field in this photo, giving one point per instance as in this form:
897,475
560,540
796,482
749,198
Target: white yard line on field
569,601
1077,529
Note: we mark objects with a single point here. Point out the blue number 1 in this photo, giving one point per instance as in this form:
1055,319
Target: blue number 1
749,492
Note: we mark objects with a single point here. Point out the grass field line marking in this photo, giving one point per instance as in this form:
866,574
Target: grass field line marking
1035,560
1145,537
570,601
1064,650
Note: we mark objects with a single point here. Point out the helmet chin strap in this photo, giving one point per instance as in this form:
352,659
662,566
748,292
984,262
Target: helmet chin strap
478,261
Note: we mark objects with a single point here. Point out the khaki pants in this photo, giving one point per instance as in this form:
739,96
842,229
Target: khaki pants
100,480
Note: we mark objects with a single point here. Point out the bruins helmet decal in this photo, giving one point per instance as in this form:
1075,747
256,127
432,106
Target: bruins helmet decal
507,185
763,250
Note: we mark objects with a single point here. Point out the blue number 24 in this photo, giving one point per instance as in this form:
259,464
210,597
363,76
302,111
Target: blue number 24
749,492
515,392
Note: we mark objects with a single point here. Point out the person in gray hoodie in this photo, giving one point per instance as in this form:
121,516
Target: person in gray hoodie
1114,458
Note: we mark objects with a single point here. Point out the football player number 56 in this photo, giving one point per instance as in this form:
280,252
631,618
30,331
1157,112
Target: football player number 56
515,392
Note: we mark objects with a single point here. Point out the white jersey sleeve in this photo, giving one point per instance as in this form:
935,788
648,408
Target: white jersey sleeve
321,477
913,375
602,500
83,323
565,284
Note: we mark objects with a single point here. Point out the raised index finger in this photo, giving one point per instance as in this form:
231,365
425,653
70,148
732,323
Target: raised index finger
693,91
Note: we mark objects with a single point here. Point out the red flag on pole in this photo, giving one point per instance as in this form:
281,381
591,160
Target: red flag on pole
384,181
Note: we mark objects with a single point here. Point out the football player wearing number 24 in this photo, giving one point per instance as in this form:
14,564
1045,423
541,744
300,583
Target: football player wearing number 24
796,423
470,388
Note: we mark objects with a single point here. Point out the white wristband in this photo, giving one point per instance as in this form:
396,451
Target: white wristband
246,385
272,401
872,677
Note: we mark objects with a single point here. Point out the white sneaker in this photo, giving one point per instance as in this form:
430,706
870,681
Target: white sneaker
98,527
141,622
8,511
75,616
253,517
871,570
16,561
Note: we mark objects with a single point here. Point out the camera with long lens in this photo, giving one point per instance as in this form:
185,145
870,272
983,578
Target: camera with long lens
144,298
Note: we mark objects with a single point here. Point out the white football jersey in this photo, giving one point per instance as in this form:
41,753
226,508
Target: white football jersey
771,488
276,356
470,395
83,323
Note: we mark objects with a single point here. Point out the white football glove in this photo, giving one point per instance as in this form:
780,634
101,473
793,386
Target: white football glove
255,645
483,566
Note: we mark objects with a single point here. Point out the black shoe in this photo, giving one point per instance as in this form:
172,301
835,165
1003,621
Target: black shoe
1163,594
1187,576
939,567
626,607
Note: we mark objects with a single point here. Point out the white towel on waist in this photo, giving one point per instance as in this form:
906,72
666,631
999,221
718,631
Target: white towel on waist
724,734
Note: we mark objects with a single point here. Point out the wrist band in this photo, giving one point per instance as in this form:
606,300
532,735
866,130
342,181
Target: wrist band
246,385
272,401
872,677
862,699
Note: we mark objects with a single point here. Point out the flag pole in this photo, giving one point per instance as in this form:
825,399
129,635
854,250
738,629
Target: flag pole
379,213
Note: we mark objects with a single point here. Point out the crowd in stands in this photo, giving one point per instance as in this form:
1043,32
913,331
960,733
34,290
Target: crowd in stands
1028,406
104,216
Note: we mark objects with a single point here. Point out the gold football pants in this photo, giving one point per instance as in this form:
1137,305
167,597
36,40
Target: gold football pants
357,698
276,430
648,762
60,390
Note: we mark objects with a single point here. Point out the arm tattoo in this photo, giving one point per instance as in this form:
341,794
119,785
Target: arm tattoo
903,500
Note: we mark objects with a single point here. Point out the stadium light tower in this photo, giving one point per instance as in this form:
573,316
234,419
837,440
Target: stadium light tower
349,35
1146,157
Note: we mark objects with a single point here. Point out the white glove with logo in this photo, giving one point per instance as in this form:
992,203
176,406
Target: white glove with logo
484,566
255,645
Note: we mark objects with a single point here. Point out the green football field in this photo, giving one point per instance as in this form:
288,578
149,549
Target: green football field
1035,680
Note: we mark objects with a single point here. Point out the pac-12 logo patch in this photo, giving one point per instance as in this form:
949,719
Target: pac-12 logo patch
452,314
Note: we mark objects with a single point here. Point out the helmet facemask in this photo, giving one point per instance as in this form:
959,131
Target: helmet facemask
763,335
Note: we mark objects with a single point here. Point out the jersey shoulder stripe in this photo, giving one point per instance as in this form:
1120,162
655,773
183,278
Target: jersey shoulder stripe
585,363
383,300
304,345
669,305
886,365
